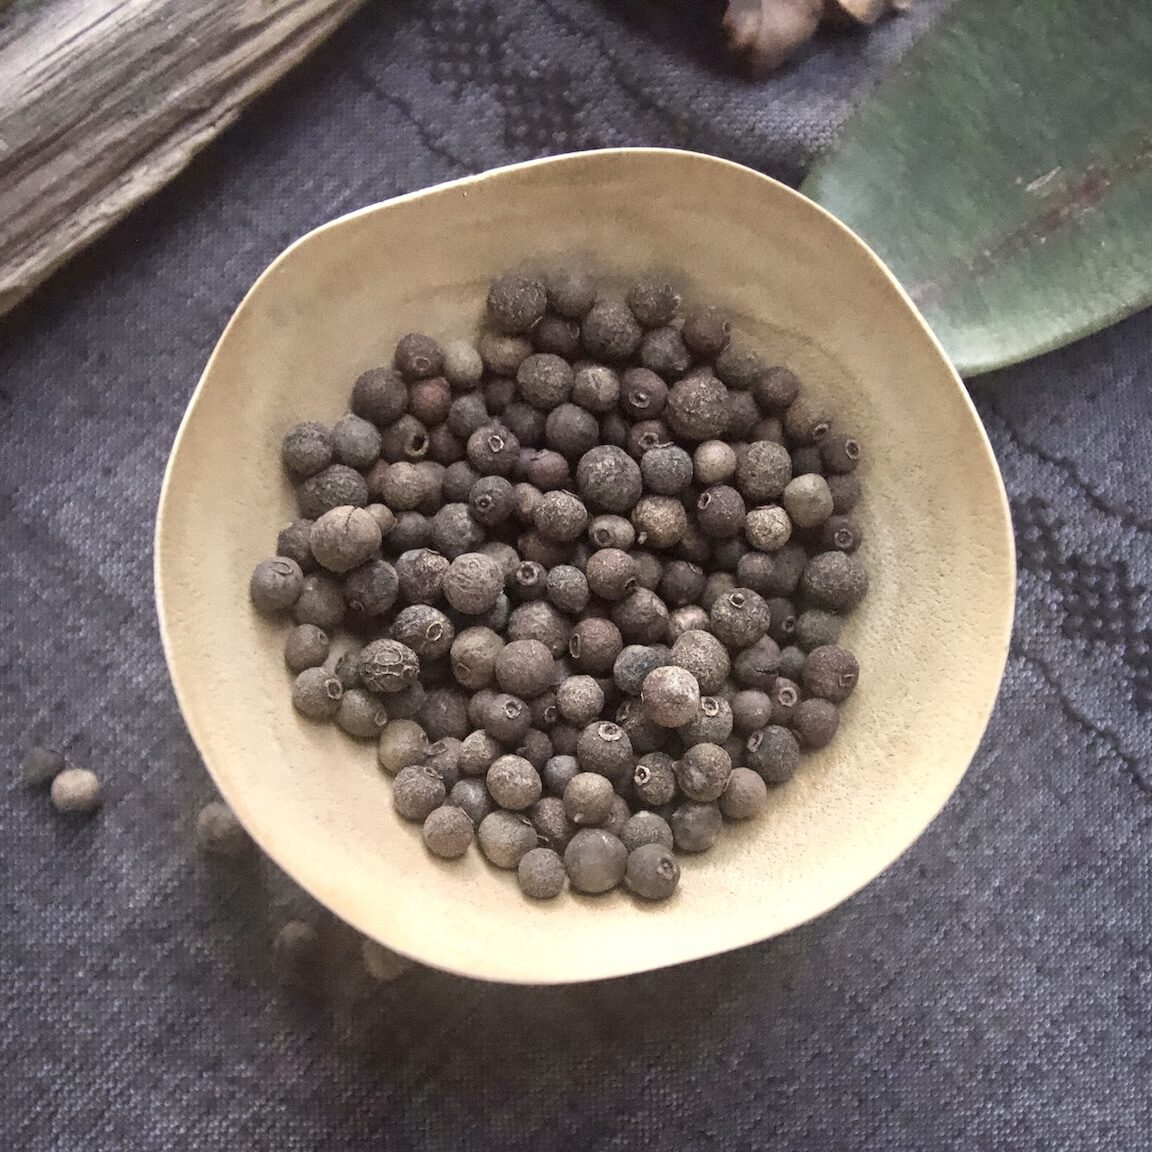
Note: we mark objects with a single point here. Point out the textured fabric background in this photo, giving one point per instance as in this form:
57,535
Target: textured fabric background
990,991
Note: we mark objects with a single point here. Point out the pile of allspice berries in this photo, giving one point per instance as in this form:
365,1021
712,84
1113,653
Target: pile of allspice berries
595,565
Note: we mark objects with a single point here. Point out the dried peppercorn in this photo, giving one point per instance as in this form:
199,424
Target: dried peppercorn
355,441
306,449
595,861
275,585
506,837
472,583
695,826
751,709
651,872
560,517
609,479
791,662
642,394
448,832
835,581
508,719
830,672
75,792
571,292
380,395
594,645
653,302
712,724
609,331
697,408
663,351
316,694
536,748
498,394
671,696
516,303
776,389
558,335
605,748
219,833
361,714
763,470
541,874
666,470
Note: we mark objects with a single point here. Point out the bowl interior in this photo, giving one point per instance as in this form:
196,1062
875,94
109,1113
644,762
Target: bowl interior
931,637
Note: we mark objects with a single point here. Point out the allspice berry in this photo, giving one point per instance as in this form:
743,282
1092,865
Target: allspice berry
641,617
580,700
561,517
595,861
806,420
666,470
541,874
815,722
425,630
720,512
604,747
839,452
835,581
507,719
76,792
462,366
448,832
418,356
671,696
525,668
660,521
567,588
808,500
336,485
516,303
453,531
642,394
387,666
610,332
663,351
316,694
703,772
697,408
321,602
706,331
344,538
713,462
219,833
739,618
654,779
763,470
275,585
840,533
557,335
645,827
608,479
653,302
681,583
571,292
588,799
470,795
493,450
775,389
652,872
570,431
417,791
594,645
372,588
361,714
696,826
611,573
513,783
306,646
355,442
380,395
830,672
705,657
745,795
712,724
596,388
506,837
472,583
402,744
767,528
306,449
473,657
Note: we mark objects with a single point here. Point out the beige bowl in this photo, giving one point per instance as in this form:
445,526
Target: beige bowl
931,637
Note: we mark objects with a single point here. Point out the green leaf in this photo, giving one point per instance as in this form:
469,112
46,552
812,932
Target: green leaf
1004,174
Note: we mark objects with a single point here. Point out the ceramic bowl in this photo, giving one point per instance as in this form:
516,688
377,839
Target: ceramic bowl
931,637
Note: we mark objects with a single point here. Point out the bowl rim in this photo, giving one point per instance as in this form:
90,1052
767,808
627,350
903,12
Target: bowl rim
1000,643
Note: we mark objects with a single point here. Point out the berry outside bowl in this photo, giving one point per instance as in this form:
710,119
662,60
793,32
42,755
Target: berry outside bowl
931,637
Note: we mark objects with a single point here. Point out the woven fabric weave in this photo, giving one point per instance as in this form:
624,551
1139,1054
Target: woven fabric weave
990,991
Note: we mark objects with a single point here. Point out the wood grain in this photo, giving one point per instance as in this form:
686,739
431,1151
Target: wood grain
103,101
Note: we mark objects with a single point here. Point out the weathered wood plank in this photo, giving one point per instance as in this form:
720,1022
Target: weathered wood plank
104,101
